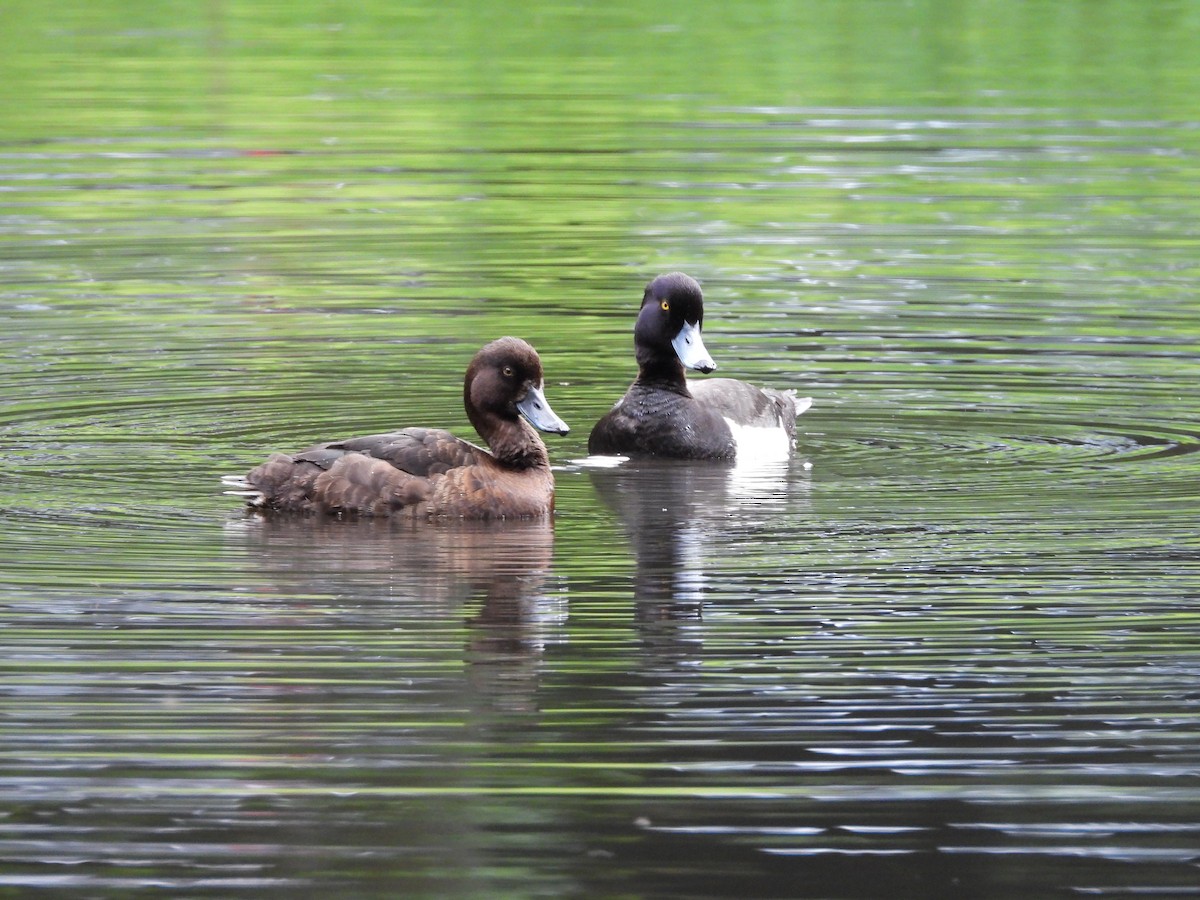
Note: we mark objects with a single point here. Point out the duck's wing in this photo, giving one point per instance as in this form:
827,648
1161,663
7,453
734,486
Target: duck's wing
361,485
337,481
418,451
748,405
373,475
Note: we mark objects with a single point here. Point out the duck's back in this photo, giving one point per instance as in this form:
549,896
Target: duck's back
418,451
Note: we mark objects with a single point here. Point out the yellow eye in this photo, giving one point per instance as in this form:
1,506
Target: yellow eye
508,371
666,306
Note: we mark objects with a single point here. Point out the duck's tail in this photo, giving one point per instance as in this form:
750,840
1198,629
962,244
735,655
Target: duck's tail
801,404
244,489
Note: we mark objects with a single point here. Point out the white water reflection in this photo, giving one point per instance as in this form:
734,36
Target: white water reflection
683,519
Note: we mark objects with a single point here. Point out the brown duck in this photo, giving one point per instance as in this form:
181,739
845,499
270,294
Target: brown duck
429,473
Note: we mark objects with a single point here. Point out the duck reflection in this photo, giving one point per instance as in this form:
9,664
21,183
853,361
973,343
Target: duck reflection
494,577
680,515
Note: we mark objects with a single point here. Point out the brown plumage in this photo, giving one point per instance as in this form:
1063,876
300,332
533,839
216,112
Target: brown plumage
428,472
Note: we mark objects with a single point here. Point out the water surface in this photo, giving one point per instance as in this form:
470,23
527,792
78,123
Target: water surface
951,648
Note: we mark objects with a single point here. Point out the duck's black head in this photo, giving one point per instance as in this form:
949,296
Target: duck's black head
668,327
504,381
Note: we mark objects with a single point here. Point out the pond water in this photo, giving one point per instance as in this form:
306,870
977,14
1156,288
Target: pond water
952,649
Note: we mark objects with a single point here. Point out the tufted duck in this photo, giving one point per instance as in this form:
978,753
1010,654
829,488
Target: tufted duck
663,414
426,472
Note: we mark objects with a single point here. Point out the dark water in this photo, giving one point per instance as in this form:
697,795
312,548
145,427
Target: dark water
951,650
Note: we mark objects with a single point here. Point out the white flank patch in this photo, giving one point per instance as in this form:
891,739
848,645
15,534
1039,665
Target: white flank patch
756,444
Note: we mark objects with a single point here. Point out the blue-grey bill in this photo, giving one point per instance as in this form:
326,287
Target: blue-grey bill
690,349
539,414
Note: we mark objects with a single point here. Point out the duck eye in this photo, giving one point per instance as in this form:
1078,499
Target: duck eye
508,371
666,305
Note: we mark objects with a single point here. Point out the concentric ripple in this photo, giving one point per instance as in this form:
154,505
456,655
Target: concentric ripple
1003,452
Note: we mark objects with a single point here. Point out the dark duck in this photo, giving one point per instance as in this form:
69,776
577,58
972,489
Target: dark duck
664,414
428,473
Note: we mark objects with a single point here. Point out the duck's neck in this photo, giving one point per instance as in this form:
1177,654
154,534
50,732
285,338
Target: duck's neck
663,374
513,442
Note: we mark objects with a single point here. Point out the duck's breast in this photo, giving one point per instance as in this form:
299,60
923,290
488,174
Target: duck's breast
487,490
657,422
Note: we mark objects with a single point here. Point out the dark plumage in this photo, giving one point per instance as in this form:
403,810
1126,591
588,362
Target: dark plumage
663,414
428,472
